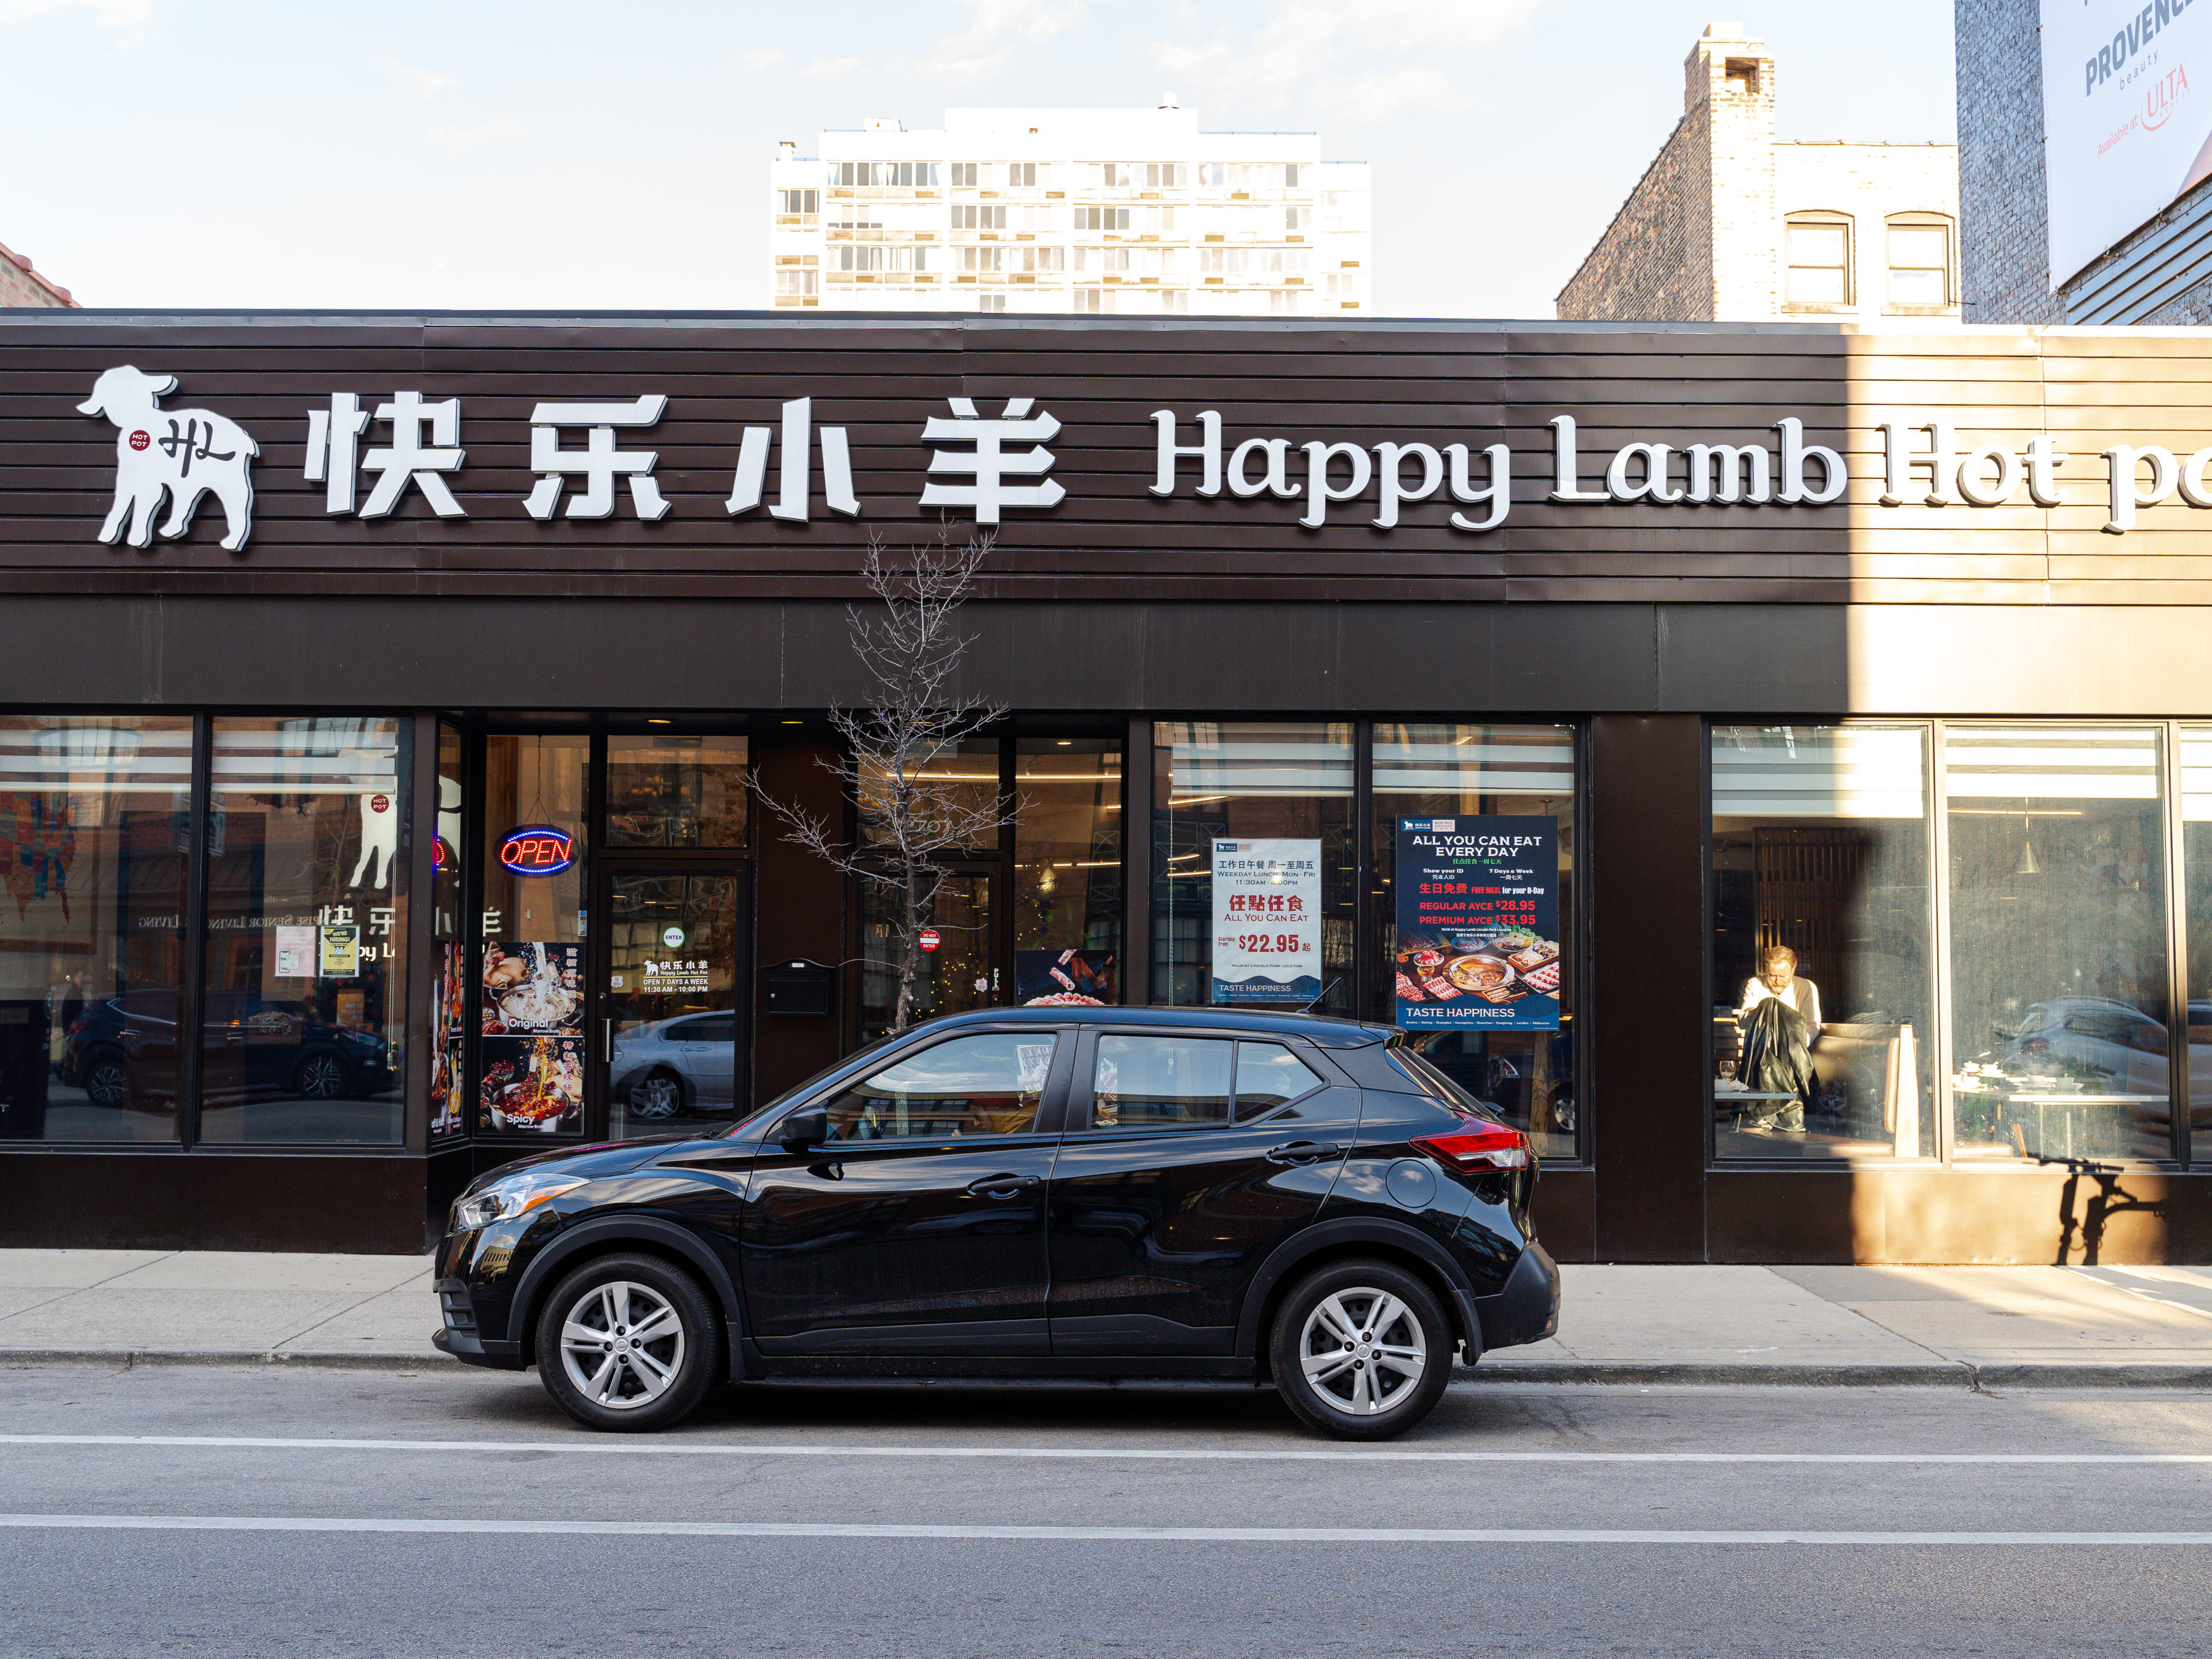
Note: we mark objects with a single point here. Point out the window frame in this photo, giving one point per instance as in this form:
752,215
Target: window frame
1082,1102
1920,220
1822,219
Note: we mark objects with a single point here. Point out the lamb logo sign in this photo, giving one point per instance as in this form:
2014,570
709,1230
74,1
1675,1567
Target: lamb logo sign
182,454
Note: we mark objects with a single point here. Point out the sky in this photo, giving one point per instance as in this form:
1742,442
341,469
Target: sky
480,154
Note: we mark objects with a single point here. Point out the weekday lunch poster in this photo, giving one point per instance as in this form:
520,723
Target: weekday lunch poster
1266,920
1479,923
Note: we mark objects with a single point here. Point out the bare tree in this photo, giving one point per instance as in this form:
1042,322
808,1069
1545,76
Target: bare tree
913,816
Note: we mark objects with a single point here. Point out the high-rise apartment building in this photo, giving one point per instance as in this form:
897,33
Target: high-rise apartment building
1128,211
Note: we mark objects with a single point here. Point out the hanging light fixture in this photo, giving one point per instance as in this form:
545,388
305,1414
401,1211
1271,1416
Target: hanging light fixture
2027,866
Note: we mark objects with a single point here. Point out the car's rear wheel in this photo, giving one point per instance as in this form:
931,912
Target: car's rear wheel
628,1342
320,1077
107,1082
658,1094
1361,1349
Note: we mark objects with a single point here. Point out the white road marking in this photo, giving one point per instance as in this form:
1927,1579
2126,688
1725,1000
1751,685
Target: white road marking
1138,1534
627,1447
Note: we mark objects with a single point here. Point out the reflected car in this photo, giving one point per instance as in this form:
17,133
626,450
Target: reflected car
1246,1199
677,1068
123,1049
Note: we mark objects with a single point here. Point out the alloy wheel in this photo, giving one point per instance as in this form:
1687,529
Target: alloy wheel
322,1076
622,1344
658,1096
1362,1350
108,1085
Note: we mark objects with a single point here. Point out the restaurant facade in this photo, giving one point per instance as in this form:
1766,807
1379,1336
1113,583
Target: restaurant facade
1772,765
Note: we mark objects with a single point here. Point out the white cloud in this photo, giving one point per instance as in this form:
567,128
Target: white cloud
414,82
1373,56
753,63
995,27
829,69
484,132
124,19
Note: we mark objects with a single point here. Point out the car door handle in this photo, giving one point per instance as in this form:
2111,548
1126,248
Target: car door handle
1303,1152
1004,1186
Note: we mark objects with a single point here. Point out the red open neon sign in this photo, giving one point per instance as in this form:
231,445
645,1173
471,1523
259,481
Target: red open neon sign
538,849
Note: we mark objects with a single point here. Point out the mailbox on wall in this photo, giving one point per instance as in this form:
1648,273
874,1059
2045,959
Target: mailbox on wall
800,987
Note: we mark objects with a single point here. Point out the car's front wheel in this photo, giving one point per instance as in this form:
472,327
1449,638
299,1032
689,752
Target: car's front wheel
107,1082
1361,1349
628,1342
320,1077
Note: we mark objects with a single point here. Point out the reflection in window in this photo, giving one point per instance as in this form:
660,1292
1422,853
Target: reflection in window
978,1085
676,791
2059,969
1823,943
2196,891
1068,870
1248,781
303,1020
1160,1082
960,974
94,827
1819,261
953,795
1269,1075
1470,771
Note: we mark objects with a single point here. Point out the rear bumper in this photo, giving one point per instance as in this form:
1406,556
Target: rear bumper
1527,1309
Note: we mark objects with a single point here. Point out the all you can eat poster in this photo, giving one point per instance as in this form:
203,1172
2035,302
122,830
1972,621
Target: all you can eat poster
1479,924
1266,920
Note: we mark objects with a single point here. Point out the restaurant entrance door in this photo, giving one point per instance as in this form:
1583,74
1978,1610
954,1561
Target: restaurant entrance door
670,1015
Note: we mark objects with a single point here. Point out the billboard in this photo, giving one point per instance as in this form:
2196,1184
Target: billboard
2127,118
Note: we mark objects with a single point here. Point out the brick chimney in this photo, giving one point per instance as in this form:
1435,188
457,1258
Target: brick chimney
1728,80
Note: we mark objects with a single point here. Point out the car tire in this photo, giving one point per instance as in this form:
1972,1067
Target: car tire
1326,1359
107,1082
320,1077
659,1094
601,1382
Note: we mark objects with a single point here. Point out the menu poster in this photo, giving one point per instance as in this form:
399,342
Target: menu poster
531,987
1266,920
445,1051
1479,923
533,1084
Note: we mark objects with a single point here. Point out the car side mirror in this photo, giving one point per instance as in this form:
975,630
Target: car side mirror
807,1127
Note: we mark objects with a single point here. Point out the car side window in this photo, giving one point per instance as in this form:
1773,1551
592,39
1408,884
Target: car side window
1269,1075
987,1085
708,1027
1160,1082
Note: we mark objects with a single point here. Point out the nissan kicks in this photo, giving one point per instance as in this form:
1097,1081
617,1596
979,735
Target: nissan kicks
1029,1192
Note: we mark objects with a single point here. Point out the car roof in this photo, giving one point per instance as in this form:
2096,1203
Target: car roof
1318,1028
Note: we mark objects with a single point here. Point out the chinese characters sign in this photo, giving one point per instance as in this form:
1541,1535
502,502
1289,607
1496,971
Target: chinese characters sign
1479,923
1266,920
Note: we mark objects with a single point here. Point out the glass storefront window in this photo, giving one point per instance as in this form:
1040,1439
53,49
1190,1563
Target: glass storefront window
959,975
1464,773
303,1019
94,833
530,1050
449,1015
676,791
955,800
1283,791
1823,943
2196,894
1067,869
2058,965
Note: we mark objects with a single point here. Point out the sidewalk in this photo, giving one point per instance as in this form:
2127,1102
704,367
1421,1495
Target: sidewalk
2024,1327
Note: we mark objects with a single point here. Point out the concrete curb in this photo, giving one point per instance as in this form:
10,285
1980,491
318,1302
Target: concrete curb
1951,1374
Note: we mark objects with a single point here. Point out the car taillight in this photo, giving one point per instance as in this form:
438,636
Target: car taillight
77,1024
1478,1152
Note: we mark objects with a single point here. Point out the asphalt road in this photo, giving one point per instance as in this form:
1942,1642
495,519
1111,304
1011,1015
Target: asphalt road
261,1510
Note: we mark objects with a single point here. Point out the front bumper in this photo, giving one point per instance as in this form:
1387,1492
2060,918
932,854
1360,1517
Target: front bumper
460,1337
1527,1309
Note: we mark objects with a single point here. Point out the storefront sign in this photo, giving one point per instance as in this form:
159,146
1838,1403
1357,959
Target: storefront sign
675,974
1266,920
537,849
2124,130
1479,923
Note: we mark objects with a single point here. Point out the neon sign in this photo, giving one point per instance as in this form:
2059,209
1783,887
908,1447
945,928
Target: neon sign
538,849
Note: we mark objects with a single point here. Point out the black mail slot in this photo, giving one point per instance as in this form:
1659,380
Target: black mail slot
800,987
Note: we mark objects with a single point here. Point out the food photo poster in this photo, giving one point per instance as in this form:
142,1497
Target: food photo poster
1478,923
534,1036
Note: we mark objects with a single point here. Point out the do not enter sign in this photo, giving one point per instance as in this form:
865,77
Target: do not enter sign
928,940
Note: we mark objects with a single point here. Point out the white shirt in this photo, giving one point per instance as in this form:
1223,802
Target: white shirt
1803,995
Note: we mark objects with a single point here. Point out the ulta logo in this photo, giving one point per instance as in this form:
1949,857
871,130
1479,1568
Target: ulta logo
2162,95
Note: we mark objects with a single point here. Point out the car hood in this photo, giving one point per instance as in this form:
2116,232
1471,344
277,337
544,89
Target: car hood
606,1158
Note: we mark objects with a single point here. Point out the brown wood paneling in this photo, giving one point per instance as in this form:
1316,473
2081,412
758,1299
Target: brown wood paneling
271,1200
799,904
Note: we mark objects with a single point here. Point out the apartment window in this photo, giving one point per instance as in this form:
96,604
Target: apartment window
1102,218
1039,258
1093,302
1291,173
882,258
854,215
964,174
1166,176
1343,285
1819,261
1102,259
796,284
1116,175
988,258
1919,262
799,201
853,175
990,302
974,216
1298,220
1021,175
1033,218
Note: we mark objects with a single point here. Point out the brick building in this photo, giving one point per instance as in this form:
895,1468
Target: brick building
2159,272
22,285
1730,223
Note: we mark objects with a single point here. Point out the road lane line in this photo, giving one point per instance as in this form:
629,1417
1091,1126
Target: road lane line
1167,1455
1047,1534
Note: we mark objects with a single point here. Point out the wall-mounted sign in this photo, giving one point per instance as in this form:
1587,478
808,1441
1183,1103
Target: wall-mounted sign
1479,923
538,849
1266,920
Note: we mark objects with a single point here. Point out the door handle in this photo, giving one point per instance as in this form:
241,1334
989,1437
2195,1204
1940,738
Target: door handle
1004,1186
1303,1152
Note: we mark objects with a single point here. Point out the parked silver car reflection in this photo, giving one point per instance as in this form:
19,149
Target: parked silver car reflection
677,1068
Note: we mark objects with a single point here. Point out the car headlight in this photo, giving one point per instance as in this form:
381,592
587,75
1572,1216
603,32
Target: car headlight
511,1195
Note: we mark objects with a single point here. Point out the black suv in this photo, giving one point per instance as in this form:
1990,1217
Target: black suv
1031,1192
